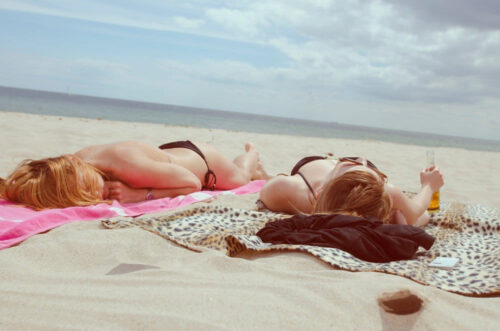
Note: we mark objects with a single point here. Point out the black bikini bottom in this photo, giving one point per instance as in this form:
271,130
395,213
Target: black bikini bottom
210,178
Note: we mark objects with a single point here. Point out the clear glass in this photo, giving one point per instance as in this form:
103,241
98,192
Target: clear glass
430,159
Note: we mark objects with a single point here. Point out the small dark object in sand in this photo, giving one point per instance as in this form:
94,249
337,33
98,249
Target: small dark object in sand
400,303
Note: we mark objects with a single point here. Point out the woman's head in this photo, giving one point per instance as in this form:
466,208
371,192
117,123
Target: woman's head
347,164
357,192
56,182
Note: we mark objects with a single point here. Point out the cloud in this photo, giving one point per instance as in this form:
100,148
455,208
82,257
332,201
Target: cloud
96,69
86,75
479,14
241,23
413,54
148,15
228,72
186,23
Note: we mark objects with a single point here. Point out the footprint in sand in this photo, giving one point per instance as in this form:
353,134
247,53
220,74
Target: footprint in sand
400,303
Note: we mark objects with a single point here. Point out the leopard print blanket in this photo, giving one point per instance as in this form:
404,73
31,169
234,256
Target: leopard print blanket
468,232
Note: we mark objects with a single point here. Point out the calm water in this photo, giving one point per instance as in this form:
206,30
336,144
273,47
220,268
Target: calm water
49,103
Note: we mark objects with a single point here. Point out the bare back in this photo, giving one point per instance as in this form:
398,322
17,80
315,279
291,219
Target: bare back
291,194
128,161
315,172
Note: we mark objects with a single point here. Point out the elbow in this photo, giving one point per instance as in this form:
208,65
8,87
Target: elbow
275,195
190,186
267,196
195,186
398,217
423,219
412,218
189,189
264,195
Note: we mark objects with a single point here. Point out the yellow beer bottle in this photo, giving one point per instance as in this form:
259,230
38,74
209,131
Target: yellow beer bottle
434,205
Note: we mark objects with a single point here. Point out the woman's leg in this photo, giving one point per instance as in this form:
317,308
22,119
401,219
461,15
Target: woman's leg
248,161
241,171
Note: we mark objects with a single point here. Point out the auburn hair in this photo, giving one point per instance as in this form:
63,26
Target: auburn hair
56,182
356,192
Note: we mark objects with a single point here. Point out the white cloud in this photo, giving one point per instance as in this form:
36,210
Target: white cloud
84,75
186,23
244,82
415,54
98,69
240,23
149,16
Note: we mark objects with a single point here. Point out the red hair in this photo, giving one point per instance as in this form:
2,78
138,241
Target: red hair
356,192
56,182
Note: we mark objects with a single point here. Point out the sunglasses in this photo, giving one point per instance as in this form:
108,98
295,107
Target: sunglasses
359,161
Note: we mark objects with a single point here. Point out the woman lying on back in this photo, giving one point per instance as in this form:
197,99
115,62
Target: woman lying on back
128,171
350,185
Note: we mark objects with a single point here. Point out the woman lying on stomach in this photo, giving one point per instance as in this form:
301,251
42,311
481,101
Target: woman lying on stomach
128,171
351,184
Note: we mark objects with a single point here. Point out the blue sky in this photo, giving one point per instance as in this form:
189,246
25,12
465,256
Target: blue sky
419,65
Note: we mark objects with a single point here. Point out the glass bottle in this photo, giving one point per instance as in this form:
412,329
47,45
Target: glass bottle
434,205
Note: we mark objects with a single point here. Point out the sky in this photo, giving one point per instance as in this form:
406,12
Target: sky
415,65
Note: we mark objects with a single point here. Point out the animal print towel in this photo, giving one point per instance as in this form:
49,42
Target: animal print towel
469,233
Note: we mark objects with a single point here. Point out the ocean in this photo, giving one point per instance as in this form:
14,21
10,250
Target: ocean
60,104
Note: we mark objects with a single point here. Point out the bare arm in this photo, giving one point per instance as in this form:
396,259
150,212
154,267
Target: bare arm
153,174
137,176
285,194
413,210
123,193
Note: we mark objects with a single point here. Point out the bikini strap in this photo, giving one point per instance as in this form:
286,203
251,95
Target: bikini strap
308,185
302,162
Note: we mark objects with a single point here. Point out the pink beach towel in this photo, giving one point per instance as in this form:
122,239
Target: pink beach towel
19,223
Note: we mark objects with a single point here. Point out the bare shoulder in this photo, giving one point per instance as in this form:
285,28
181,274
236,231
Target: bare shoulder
107,157
282,183
286,194
86,153
114,149
397,196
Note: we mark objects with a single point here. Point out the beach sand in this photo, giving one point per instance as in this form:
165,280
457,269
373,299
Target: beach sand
60,280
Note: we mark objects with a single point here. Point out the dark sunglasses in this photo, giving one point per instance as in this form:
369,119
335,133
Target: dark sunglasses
359,161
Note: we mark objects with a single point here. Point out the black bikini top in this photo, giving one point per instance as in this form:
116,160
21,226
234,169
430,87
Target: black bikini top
300,164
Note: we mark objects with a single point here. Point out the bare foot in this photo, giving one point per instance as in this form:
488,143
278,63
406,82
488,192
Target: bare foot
259,172
250,147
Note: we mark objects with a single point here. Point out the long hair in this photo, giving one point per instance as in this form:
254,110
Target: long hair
356,192
56,182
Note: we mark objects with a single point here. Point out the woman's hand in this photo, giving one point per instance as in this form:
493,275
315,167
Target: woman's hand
124,193
432,177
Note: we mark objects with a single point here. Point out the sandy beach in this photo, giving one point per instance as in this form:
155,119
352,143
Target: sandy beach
60,280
